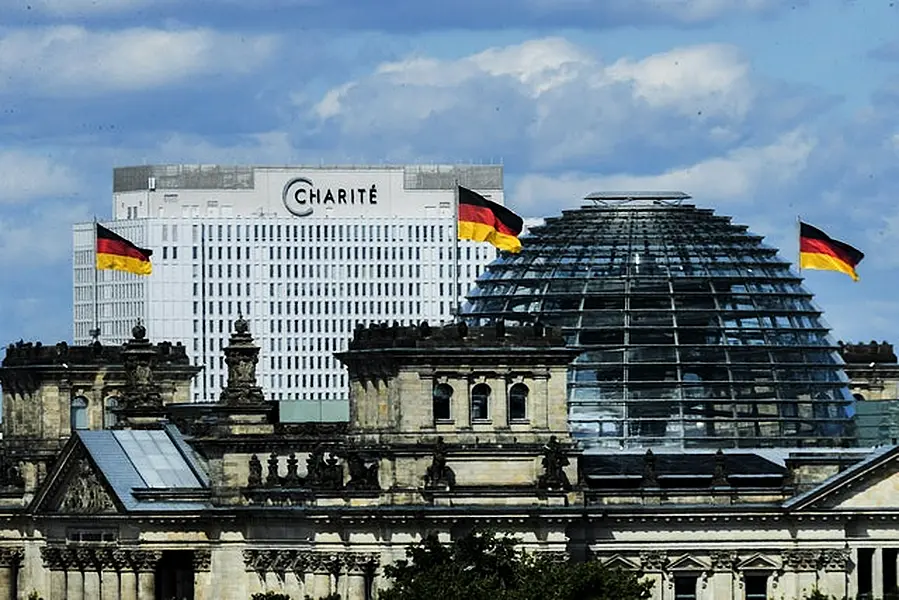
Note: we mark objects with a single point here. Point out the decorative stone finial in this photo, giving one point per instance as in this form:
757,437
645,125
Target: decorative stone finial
139,332
241,356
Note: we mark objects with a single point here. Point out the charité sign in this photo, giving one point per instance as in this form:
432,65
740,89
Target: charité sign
301,196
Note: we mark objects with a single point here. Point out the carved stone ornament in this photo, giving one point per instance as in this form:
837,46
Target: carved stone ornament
10,474
654,560
554,463
145,561
85,493
801,560
723,560
139,358
241,356
202,560
11,557
279,561
837,559
323,472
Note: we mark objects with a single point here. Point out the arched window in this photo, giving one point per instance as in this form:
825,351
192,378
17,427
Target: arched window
518,402
109,417
480,402
442,399
78,413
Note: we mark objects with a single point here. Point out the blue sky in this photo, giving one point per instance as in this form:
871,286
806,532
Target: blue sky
761,109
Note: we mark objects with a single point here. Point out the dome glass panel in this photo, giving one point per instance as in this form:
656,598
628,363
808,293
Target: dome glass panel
695,333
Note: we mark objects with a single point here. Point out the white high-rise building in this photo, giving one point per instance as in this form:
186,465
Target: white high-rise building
304,253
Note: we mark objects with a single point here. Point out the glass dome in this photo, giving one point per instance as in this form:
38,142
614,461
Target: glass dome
694,333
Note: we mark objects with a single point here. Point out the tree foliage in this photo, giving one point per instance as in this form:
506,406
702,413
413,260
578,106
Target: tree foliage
482,566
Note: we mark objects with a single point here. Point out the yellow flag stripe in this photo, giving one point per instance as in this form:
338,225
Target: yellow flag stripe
825,262
128,264
480,232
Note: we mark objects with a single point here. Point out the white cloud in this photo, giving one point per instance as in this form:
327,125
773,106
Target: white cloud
713,78
70,60
24,176
42,236
737,176
548,102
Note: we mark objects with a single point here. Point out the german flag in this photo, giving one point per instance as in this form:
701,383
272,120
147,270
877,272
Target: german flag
117,253
818,251
484,221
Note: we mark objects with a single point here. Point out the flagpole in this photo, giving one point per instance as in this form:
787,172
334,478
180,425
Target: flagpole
95,332
455,304
799,242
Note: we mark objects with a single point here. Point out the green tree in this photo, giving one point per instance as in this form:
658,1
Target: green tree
482,566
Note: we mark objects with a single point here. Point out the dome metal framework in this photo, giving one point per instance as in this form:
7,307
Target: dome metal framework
695,334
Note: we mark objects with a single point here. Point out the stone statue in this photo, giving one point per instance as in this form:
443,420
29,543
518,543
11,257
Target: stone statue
650,478
362,476
439,474
554,463
255,477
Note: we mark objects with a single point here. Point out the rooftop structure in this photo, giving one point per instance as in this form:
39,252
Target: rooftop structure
693,332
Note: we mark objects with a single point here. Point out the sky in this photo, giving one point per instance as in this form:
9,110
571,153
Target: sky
765,110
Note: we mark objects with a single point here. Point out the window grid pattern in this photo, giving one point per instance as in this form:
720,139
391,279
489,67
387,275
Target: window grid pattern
303,284
694,333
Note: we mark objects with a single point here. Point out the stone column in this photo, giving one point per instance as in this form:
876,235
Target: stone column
359,567
109,585
128,585
88,561
321,567
721,582
57,585
10,559
653,565
145,565
74,584
202,562
877,573
836,566
91,584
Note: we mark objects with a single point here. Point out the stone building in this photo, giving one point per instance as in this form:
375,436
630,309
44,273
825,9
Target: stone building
873,374
451,428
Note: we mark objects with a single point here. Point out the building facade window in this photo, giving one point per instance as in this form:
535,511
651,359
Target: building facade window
78,413
685,587
756,586
518,402
442,399
109,416
480,402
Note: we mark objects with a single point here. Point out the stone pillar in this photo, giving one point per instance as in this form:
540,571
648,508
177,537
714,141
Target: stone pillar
91,584
74,584
835,579
109,585
877,573
128,585
321,567
10,559
146,585
721,582
359,568
202,562
57,585
145,565
653,565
